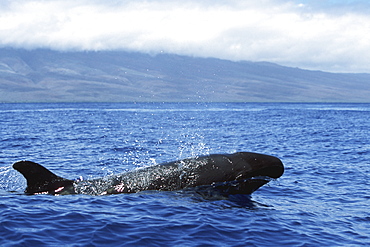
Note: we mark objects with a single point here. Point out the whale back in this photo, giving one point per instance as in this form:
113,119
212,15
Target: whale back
229,173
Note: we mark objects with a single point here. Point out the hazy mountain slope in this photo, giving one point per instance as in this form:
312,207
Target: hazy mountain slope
44,75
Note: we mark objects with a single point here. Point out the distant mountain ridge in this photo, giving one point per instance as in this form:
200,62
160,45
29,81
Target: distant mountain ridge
118,76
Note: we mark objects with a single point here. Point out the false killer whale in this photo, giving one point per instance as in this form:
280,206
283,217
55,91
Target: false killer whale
237,173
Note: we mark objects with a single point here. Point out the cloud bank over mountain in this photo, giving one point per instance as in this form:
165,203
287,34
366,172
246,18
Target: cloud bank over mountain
329,36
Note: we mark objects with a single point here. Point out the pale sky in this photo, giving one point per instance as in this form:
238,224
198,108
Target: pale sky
319,35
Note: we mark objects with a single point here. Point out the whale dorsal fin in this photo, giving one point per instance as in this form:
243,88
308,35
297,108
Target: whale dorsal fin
39,179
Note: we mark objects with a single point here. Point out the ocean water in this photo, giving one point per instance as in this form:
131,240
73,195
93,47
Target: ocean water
322,199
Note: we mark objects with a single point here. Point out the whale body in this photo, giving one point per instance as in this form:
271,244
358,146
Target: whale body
237,173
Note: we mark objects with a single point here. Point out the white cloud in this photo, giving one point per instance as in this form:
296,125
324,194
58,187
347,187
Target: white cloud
300,34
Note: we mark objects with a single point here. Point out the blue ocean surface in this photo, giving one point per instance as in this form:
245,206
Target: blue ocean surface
322,199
